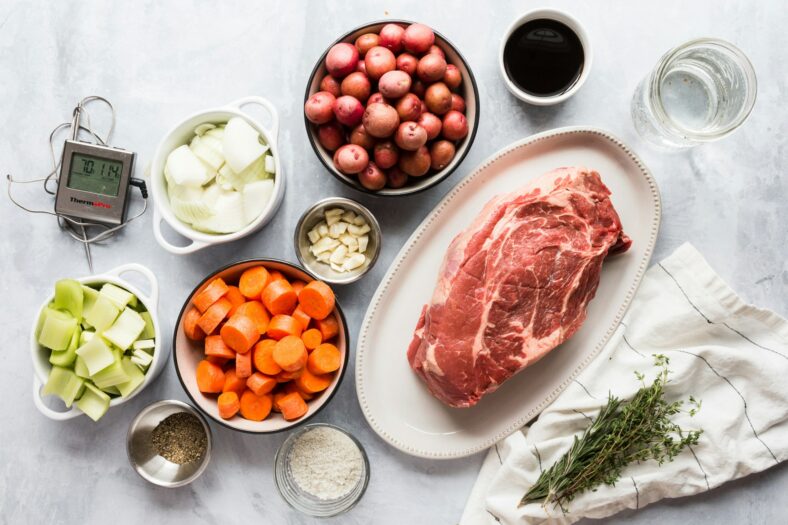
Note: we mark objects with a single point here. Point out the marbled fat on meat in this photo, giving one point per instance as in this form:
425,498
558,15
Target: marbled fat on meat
515,284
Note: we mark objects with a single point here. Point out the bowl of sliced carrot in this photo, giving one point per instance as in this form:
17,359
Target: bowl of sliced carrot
261,345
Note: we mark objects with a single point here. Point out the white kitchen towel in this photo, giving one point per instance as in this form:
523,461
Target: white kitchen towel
730,355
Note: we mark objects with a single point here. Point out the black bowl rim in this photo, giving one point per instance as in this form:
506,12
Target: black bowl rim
437,179
188,302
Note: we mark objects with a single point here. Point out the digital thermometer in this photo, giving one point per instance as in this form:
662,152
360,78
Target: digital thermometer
94,182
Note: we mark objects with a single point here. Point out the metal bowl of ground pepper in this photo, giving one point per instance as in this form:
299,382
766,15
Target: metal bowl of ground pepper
169,443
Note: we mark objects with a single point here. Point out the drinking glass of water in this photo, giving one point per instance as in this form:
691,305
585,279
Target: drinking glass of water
698,92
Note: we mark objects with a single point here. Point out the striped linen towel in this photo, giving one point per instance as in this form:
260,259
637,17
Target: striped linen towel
730,355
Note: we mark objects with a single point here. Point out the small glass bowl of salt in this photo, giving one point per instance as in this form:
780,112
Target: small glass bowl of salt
321,470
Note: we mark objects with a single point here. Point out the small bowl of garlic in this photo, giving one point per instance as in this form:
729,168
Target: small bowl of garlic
337,239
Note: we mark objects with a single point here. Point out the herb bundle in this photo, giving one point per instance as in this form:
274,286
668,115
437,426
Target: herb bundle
636,430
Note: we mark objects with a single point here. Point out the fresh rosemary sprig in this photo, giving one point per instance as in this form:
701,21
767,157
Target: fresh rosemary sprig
624,432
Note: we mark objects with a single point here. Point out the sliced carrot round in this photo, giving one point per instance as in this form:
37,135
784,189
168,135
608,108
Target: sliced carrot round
253,281
228,404
290,353
324,359
254,407
317,300
264,357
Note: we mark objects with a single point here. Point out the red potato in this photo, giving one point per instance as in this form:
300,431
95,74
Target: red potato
441,153
407,63
455,125
457,103
360,136
376,98
351,159
410,136
379,61
452,77
331,85
380,120
319,107
341,59
366,42
437,98
409,107
418,88
435,50
390,37
331,135
418,38
415,163
348,110
361,67
396,178
394,84
356,85
431,123
372,178
431,68
386,154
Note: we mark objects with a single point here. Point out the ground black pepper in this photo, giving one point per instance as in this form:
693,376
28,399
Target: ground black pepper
180,438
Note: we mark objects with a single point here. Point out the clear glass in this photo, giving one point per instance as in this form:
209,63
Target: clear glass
304,501
698,92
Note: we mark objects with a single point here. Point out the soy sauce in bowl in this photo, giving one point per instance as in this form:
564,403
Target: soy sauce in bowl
543,57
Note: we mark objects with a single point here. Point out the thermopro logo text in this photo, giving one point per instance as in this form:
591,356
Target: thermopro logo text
95,204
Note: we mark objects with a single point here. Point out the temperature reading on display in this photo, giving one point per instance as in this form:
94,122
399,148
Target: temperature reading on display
95,175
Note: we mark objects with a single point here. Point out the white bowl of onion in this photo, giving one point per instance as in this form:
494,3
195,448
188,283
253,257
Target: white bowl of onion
338,239
216,176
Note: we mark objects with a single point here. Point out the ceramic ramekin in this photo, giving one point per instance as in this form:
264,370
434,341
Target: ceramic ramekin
40,355
181,134
573,24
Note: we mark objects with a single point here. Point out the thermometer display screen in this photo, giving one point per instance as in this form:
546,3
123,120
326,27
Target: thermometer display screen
95,175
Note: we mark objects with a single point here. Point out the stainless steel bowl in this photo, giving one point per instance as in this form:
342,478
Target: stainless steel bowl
314,215
151,466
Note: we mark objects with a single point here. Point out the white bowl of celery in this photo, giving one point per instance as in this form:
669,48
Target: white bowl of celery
95,344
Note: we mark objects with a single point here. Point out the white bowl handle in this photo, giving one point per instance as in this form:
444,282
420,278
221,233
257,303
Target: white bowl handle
153,297
177,250
260,101
48,412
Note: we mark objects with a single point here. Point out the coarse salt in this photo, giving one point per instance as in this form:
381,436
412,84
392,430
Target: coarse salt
325,463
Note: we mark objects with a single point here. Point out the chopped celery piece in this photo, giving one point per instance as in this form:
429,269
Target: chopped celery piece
113,375
57,330
149,332
93,402
103,314
69,297
136,377
117,295
144,344
141,358
96,355
86,336
86,325
42,317
126,329
67,356
89,296
65,384
112,390
80,368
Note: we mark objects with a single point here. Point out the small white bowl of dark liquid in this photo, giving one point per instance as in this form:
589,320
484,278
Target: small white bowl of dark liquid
545,57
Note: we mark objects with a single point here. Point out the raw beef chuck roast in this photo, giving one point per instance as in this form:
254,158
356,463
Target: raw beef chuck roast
515,284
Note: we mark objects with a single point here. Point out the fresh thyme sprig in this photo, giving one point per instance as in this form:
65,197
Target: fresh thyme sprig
636,430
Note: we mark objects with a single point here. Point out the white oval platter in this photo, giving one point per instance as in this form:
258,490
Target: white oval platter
395,402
